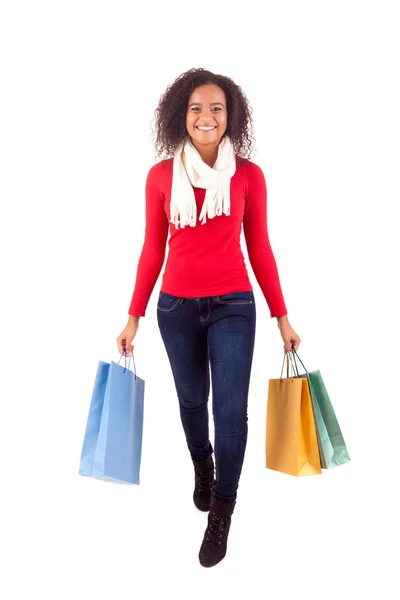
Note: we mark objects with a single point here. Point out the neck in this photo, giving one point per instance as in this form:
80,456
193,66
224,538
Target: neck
209,154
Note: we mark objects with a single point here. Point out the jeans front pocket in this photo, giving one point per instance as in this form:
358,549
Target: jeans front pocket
235,298
167,302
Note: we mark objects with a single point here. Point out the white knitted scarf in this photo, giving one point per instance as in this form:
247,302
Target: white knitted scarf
189,169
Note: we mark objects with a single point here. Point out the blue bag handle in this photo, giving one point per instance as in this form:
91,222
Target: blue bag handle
134,366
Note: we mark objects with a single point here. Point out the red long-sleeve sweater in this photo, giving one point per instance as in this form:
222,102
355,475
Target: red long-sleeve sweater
207,260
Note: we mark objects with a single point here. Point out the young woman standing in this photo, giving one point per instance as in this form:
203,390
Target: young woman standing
202,193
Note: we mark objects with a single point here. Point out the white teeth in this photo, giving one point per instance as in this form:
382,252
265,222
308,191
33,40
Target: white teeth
206,128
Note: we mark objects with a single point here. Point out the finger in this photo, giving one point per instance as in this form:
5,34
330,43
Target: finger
121,345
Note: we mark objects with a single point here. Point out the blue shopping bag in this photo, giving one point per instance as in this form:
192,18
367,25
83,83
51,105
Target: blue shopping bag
112,445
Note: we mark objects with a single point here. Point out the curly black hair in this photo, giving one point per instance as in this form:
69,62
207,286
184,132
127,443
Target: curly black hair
170,114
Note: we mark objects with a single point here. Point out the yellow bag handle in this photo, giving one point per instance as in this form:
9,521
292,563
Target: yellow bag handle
293,364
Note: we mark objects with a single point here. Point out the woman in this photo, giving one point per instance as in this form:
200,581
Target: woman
206,310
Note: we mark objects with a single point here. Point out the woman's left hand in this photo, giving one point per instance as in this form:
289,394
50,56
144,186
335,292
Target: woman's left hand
289,336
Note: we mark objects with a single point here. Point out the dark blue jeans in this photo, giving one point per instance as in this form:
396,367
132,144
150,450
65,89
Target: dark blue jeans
216,332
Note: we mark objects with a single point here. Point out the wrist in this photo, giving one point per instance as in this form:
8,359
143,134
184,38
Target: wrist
133,319
282,319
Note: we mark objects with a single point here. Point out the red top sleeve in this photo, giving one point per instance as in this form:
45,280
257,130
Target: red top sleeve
153,253
257,240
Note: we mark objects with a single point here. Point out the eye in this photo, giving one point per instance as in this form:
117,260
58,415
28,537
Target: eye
216,108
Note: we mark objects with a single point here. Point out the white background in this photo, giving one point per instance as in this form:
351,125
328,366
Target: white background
80,82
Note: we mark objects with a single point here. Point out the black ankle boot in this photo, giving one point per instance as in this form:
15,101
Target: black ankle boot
213,547
203,482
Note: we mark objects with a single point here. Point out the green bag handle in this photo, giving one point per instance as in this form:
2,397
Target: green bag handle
293,363
294,359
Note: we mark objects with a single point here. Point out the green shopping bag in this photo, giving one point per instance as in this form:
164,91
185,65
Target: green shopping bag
331,444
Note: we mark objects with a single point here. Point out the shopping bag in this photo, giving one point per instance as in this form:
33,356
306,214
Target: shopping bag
112,444
332,447
291,439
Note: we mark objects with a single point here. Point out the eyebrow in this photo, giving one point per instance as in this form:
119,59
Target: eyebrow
199,103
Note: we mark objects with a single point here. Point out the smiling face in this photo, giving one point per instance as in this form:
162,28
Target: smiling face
206,116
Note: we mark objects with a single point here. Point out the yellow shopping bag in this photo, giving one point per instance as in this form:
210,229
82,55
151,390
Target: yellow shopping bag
291,439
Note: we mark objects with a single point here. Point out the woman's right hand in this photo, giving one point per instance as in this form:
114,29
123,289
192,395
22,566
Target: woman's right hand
126,337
